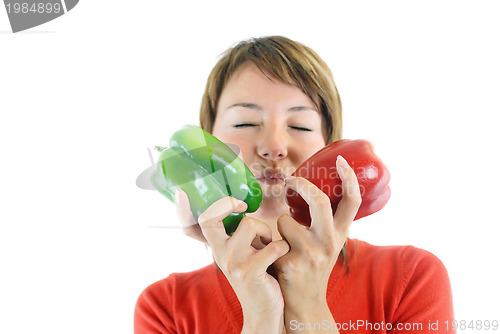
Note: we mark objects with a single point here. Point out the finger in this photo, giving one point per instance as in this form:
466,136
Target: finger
268,255
211,219
351,196
320,207
291,231
258,243
250,228
186,218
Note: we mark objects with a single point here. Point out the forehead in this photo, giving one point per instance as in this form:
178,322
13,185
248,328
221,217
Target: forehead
250,82
250,72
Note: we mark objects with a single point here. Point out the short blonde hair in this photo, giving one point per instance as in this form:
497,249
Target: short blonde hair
291,63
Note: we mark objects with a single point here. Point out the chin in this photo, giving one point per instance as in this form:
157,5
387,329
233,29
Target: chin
275,191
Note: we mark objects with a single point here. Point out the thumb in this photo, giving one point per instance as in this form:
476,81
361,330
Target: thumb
186,218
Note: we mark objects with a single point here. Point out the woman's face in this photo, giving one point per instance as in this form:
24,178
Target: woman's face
276,126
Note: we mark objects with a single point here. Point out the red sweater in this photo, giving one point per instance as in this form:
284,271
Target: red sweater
402,288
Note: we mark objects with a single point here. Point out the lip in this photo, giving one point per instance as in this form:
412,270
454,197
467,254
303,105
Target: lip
271,176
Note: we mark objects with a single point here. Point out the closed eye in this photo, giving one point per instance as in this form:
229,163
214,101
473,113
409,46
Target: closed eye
244,125
247,125
300,128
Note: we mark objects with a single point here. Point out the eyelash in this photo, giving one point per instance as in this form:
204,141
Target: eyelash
298,128
244,125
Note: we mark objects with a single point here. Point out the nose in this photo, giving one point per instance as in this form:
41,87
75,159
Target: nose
273,144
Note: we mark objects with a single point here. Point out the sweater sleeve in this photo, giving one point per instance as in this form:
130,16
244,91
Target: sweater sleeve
153,310
425,304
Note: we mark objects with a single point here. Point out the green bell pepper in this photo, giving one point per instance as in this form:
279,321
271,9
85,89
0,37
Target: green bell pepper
207,170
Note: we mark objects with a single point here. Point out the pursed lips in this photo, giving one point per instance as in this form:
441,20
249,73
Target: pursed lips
271,176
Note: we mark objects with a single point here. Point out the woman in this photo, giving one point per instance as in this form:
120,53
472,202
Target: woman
276,100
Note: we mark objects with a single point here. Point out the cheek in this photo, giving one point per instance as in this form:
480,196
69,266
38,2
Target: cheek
246,153
306,150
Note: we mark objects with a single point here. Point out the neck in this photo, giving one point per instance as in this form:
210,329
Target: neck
269,212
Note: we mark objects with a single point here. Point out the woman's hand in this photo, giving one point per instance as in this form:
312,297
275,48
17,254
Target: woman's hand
189,224
303,273
244,258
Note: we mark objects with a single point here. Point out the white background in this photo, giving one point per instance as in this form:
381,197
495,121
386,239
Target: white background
84,96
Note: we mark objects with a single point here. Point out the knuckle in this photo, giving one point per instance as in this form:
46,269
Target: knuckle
356,200
247,224
252,225
353,194
330,250
289,269
202,219
285,224
283,219
275,248
322,197
312,257
229,201
318,259
323,202
194,232
224,201
235,271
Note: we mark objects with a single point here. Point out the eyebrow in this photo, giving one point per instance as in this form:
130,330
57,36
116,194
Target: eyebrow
301,108
259,108
246,105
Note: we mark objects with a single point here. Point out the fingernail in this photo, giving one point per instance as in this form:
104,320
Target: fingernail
344,166
289,179
239,203
342,162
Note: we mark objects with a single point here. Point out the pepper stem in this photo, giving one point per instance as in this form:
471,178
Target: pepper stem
160,149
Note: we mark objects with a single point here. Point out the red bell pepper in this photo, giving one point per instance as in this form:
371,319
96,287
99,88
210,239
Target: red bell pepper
373,178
